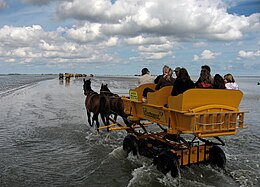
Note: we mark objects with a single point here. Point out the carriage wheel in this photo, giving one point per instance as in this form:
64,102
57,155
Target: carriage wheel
130,144
166,162
217,156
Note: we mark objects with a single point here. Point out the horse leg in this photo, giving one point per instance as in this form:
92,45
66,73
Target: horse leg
115,116
95,117
89,116
107,118
104,120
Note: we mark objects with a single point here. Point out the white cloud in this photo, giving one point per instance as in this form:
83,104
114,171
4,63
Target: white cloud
155,52
86,33
205,55
2,4
46,46
142,40
112,42
182,19
200,44
20,36
196,58
32,44
249,54
152,29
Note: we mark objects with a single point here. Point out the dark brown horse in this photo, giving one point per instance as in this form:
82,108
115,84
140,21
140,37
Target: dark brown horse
116,103
94,103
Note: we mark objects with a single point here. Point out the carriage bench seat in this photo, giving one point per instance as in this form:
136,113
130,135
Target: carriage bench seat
159,97
137,93
197,98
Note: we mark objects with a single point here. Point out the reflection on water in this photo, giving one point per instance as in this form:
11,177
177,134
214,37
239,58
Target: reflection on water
61,81
67,82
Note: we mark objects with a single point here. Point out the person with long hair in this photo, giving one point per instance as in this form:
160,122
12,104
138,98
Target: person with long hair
204,68
205,80
182,83
218,82
230,82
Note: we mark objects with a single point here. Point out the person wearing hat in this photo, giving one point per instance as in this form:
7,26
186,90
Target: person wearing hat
145,78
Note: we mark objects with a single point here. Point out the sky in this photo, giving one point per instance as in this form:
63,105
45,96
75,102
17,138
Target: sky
120,37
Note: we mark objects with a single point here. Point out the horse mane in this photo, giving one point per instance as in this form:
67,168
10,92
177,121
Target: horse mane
105,90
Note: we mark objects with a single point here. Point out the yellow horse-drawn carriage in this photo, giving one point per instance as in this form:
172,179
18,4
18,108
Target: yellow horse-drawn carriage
202,113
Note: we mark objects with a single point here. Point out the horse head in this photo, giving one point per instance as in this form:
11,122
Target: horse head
86,86
104,88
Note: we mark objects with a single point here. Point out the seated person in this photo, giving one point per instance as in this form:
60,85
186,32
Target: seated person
145,78
176,71
205,80
182,83
230,82
218,82
166,80
165,69
204,68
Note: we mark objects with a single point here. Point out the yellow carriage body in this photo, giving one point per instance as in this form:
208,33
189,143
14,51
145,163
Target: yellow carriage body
202,112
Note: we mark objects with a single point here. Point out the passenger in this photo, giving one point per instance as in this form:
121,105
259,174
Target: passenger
164,70
207,68
182,83
177,69
205,80
145,78
218,82
166,80
230,82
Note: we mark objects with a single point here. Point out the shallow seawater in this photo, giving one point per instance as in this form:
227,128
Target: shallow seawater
45,141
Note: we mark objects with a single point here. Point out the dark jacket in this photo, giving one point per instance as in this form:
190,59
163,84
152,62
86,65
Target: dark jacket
156,80
179,86
163,82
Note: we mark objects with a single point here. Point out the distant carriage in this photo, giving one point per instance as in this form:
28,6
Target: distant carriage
61,76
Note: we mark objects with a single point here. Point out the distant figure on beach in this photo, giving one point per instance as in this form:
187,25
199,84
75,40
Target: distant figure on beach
165,70
61,76
218,82
182,83
145,78
230,82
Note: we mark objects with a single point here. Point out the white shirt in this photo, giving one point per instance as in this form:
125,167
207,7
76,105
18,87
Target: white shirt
145,79
231,86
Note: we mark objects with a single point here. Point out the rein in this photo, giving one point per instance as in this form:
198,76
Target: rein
105,91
